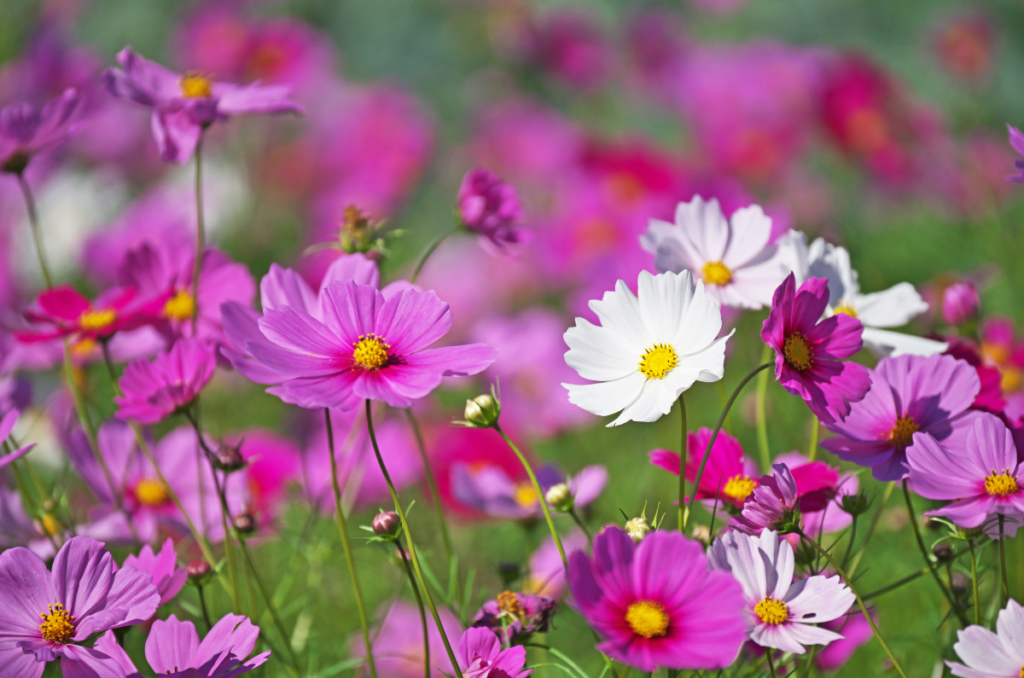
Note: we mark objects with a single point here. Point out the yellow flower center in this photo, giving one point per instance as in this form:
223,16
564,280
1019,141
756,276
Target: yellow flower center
58,624
196,86
1001,484
50,525
151,492
771,611
846,308
647,618
181,306
997,353
97,320
84,347
525,495
717,273
1011,379
797,352
508,603
371,352
902,433
658,361
739,487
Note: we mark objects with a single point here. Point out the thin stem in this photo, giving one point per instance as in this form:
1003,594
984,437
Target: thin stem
871,528
927,556
761,412
33,221
974,582
419,603
430,250
1002,558
860,601
409,541
853,538
347,546
266,599
771,664
583,526
432,484
197,266
810,661
812,453
682,461
714,436
202,605
910,577
540,494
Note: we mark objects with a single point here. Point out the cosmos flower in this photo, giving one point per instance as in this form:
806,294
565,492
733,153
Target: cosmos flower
546,575
855,631
69,314
26,130
398,646
809,351
481,656
821,489
80,596
648,350
490,207
513,617
772,505
728,475
184,104
992,655
733,257
167,576
153,390
908,394
657,603
960,303
490,490
780,612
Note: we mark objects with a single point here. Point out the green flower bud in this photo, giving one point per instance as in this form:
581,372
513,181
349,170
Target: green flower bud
560,498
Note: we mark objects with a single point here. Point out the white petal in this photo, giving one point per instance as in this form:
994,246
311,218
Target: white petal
599,354
757,284
891,308
607,397
672,249
706,227
793,255
885,343
780,637
664,299
829,261
808,634
749,232
619,312
655,401
980,649
1010,626
699,326
819,599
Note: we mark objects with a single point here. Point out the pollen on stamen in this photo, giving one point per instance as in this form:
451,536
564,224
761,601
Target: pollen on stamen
1002,483
739,487
658,361
371,352
97,320
797,352
772,612
716,273
647,618
195,85
58,624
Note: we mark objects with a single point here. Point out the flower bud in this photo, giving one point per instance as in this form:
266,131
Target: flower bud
482,411
228,458
943,552
702,533
960,303
637,529
486,202
560,498
244,523
854,504
198,571
386,524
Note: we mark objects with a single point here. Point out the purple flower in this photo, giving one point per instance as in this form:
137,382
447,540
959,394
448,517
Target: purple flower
167,577
26,130
490,490
960,303
481,656
398,646
992,655
184,104
772,505
82,595
1017,142
981,477
173,649
515,616
656,603
153,390
7,423
908,394
490,207
809,354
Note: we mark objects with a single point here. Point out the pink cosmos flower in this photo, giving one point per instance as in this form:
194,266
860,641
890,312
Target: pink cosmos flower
571,46
855,631
82,595
185,104
366,347
728,475
173,649
398,646
490,207
656,603
980,477
26,130
481,656
489,490
514,617
809,354
69,314
547,573
908,394
1001,348
167,576
821,489
960,303
153,390
7,423
780,612
772,505
271,464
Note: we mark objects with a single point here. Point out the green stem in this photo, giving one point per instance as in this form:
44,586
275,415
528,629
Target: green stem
267,601
409,541
812,453
853,538
871,528
430,250
583,526
1002,558
761,412
33,220
682,461
432,484
197,266
927,556
714,436
347,546
771,663
202,605
540,494
974,582
810,661
860,601
419,604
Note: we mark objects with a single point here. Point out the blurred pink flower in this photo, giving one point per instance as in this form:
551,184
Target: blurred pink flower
728,475
960,303
481,655
272,463
398,646
154,390
964,46
547,573
489,490
70,314
162,567
490,207
571,45
26,130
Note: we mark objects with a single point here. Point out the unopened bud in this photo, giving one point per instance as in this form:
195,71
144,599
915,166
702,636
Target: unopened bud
228,459
702,533
198,571
244,523
943,552
855,504
961,582
386,524
637,529
960,303
482,411
560,498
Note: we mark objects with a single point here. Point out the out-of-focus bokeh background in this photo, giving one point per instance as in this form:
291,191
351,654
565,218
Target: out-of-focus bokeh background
877,124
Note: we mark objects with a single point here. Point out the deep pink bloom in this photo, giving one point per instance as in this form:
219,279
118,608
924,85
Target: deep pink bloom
990,395
69,314
728,475
821,489
398,646
656,603
82,595
490,207
173,649
1017,142
772,505
1001,347
185,104
809,350
908,394
26,130
167,576
481,656
272,463
960,303
153,390
7,422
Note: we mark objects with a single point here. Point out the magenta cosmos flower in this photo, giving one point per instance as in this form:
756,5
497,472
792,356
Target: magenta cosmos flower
184,104
992,655
26,130
481,656
173,649
809,354
69,314
153,390
490,207
728,475
44,613
656,603
909,394
821,489
168,578
772,505
366,347
981,477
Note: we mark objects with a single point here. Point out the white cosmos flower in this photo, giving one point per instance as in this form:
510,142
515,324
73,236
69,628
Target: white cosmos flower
992,655
647,350
893,307
732,256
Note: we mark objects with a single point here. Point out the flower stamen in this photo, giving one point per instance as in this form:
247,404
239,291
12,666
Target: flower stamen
195,85
1002,483
58,624
525,495
658,361
97,320
716,273
508,603
902,433
739,487
647,618
151,492
181,306
371,352
797,352
772,612
845,307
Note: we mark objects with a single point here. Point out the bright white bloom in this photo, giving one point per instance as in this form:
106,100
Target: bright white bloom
893,307
647,350
781,613
732,257
992,655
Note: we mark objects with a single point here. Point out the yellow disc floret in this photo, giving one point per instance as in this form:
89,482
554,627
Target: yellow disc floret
58,624
658,361
902,433
151,492
196,86
93,321
525,495
797,352
739,487
508,603
647,618
370,352
50,525
181,306
772,612
845,307
1001,484
716,273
